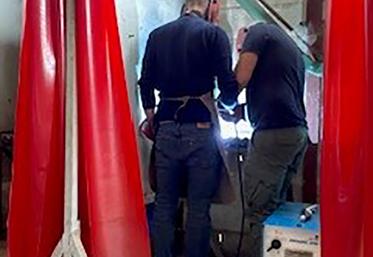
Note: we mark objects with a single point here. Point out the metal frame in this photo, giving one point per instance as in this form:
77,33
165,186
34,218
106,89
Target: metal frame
260,12
287,28
70,244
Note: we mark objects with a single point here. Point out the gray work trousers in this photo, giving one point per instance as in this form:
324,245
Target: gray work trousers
274,158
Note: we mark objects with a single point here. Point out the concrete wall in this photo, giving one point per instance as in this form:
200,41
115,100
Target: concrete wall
10,27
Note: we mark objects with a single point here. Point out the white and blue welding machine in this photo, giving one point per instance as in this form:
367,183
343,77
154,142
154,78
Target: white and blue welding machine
293,230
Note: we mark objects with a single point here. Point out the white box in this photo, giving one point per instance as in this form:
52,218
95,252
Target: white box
293,238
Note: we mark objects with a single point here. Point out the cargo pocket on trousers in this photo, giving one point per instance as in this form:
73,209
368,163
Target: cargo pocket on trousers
260,199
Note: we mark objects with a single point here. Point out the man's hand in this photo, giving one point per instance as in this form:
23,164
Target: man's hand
234,115
150,119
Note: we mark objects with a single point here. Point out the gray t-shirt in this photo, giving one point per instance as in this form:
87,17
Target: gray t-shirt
276,90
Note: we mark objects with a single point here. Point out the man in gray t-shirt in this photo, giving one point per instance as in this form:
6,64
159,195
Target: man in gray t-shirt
275,88
271,67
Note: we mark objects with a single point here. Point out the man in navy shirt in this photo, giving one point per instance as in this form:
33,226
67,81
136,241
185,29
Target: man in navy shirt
183,59
272,68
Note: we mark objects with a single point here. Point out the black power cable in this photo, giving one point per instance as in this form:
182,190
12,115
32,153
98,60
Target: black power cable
240,178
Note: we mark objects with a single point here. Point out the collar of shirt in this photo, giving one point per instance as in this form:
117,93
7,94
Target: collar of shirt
195,13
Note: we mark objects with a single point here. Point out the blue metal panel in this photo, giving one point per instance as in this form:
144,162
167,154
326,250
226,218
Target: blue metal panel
288,216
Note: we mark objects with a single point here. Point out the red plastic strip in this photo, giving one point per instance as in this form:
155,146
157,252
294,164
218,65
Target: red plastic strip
344,158
112,206
36,202
368,196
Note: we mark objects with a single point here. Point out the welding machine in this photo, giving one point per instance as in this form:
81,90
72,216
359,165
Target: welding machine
293,230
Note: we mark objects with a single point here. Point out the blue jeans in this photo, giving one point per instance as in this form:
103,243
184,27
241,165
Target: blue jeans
187,155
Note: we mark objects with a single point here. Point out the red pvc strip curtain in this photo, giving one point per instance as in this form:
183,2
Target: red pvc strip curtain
112,206
346,186
36,203
111,199
368,201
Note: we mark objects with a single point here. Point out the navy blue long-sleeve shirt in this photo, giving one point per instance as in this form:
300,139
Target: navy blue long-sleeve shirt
184,58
